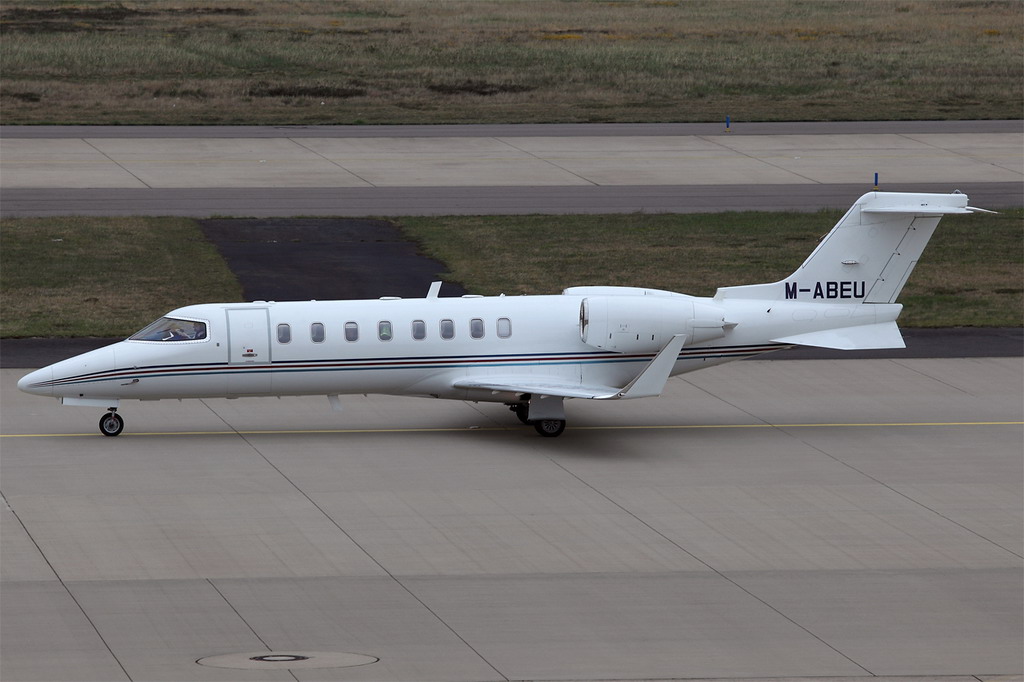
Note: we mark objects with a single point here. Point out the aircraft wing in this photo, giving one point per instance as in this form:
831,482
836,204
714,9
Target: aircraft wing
650,381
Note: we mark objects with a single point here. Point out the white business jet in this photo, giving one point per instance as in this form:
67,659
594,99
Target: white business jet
529,352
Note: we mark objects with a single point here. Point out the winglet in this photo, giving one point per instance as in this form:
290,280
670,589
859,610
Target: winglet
651,381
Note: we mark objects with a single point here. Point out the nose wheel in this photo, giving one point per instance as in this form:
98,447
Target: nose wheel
111,424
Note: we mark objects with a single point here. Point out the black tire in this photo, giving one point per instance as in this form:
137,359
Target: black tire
111,424
549,428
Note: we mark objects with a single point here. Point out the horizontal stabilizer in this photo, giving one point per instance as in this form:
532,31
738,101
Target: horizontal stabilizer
863,337
925,209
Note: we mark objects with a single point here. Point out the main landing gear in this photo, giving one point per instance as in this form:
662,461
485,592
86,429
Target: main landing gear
111,424
549,428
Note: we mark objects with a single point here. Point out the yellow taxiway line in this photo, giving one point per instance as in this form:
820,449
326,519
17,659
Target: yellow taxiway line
651,427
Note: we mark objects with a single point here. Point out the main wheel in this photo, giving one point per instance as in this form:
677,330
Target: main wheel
549,428
111,424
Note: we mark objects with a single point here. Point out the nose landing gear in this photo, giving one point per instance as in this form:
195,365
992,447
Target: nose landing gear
111,424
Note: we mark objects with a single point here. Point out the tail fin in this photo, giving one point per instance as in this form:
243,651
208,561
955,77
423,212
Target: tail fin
868,255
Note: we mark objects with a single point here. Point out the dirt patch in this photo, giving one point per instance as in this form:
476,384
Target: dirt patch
288,259
210,11
63,19
477,87
74,18
267,90
114,12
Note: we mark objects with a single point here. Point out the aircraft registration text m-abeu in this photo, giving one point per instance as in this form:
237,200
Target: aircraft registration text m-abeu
826,290
528,352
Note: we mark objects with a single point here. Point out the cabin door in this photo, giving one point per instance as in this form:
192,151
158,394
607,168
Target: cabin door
248,351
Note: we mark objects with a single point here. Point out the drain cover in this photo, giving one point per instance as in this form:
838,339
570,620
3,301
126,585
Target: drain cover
278,660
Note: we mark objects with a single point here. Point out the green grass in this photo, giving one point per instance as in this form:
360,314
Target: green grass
971,274
103,276
111,276
483,61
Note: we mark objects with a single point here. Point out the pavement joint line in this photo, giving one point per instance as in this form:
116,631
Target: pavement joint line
908,366
395,578
734,581
969,153
550,162
117,163
471,429
64,584
331,161
905,495
707,138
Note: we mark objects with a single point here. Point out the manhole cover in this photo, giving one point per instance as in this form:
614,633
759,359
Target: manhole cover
278,660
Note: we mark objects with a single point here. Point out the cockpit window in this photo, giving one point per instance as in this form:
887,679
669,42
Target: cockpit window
171,329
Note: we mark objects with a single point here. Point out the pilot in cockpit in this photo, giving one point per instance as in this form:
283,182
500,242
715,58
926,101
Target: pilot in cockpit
178,334
188,331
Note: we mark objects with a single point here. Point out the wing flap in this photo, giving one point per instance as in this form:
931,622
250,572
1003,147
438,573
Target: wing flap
538,385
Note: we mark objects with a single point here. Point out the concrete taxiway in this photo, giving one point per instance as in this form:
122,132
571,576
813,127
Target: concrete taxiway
820,519
429,170
812,519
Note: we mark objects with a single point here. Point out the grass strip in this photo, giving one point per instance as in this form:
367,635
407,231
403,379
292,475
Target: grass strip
76,276
479,61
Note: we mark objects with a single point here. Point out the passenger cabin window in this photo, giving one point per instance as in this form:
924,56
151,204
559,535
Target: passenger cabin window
447,329
317,332
419,330
384,332
351,331
172,329
476,328
504,327
284,333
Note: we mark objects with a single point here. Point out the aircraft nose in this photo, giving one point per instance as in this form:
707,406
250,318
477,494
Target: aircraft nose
38,382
